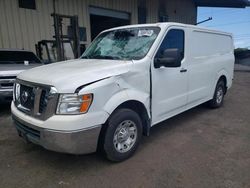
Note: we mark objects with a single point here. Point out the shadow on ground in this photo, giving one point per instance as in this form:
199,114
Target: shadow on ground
5,108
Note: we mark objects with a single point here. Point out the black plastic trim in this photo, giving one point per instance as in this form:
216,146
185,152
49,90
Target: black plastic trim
85,85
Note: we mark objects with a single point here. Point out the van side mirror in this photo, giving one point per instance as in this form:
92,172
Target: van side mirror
170,58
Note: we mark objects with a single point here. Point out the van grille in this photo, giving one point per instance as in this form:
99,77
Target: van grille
36,100
43,101
27,97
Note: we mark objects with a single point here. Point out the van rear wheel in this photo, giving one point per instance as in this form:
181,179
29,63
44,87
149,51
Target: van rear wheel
123,135
219,93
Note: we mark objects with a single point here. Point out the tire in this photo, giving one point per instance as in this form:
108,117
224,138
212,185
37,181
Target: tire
122,136
218,97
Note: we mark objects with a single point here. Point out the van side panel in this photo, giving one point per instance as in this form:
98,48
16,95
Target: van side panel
205,44
210,56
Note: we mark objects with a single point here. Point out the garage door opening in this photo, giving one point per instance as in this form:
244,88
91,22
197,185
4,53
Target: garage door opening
101,19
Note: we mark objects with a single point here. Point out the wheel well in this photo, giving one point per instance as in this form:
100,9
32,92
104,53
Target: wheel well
224,79
136,106
140,109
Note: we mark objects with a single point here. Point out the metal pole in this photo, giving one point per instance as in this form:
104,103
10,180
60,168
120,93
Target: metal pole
210,18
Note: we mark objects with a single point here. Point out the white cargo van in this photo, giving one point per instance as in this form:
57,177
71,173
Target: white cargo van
128,80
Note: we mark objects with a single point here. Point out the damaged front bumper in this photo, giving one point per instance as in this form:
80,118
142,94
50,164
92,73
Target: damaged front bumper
73,142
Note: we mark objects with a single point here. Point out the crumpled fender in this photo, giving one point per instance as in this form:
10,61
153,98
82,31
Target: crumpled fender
124,96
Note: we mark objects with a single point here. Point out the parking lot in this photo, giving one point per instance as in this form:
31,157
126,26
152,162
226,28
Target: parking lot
199,148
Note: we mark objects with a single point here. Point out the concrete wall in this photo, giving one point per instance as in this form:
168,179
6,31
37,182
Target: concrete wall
23,28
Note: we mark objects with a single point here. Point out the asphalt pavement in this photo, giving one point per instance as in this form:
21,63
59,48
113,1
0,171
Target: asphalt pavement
200,148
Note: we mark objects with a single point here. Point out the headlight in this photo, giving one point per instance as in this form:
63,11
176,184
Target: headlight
74,103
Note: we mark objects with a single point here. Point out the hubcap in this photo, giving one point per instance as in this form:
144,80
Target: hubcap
219,95
125,136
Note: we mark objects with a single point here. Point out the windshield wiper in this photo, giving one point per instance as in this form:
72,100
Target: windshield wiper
85,57
102,57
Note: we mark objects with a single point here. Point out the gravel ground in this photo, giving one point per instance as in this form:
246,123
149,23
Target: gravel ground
199,148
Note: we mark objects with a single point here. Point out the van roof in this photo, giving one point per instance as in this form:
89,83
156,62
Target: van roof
167,24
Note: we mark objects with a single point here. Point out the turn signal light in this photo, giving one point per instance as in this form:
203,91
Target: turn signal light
86,102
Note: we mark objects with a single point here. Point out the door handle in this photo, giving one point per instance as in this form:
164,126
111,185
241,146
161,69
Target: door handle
183,70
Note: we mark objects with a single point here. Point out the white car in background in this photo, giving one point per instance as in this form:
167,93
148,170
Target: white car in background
128,80
12,62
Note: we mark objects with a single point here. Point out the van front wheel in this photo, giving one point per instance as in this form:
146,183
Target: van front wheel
123,135
219,93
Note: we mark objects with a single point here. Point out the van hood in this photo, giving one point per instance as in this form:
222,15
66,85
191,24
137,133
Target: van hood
67,76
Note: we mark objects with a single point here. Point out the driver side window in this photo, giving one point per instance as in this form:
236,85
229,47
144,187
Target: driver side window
174,39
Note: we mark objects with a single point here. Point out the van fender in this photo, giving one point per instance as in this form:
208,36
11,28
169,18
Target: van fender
220,73
217,76
127,95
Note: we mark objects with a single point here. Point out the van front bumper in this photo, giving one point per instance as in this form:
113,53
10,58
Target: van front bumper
74,142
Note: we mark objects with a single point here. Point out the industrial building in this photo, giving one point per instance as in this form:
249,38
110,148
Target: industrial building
23,23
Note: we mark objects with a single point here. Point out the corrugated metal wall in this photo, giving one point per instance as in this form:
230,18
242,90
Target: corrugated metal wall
183,11
81,8
23,28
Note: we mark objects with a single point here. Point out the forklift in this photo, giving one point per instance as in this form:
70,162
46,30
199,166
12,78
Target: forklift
64,46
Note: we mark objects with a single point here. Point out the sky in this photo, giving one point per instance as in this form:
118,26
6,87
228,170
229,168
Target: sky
236,21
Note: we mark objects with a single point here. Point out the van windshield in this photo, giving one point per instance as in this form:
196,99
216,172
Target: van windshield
122,44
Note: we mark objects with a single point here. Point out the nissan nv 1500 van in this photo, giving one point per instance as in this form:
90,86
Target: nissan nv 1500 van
129,79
